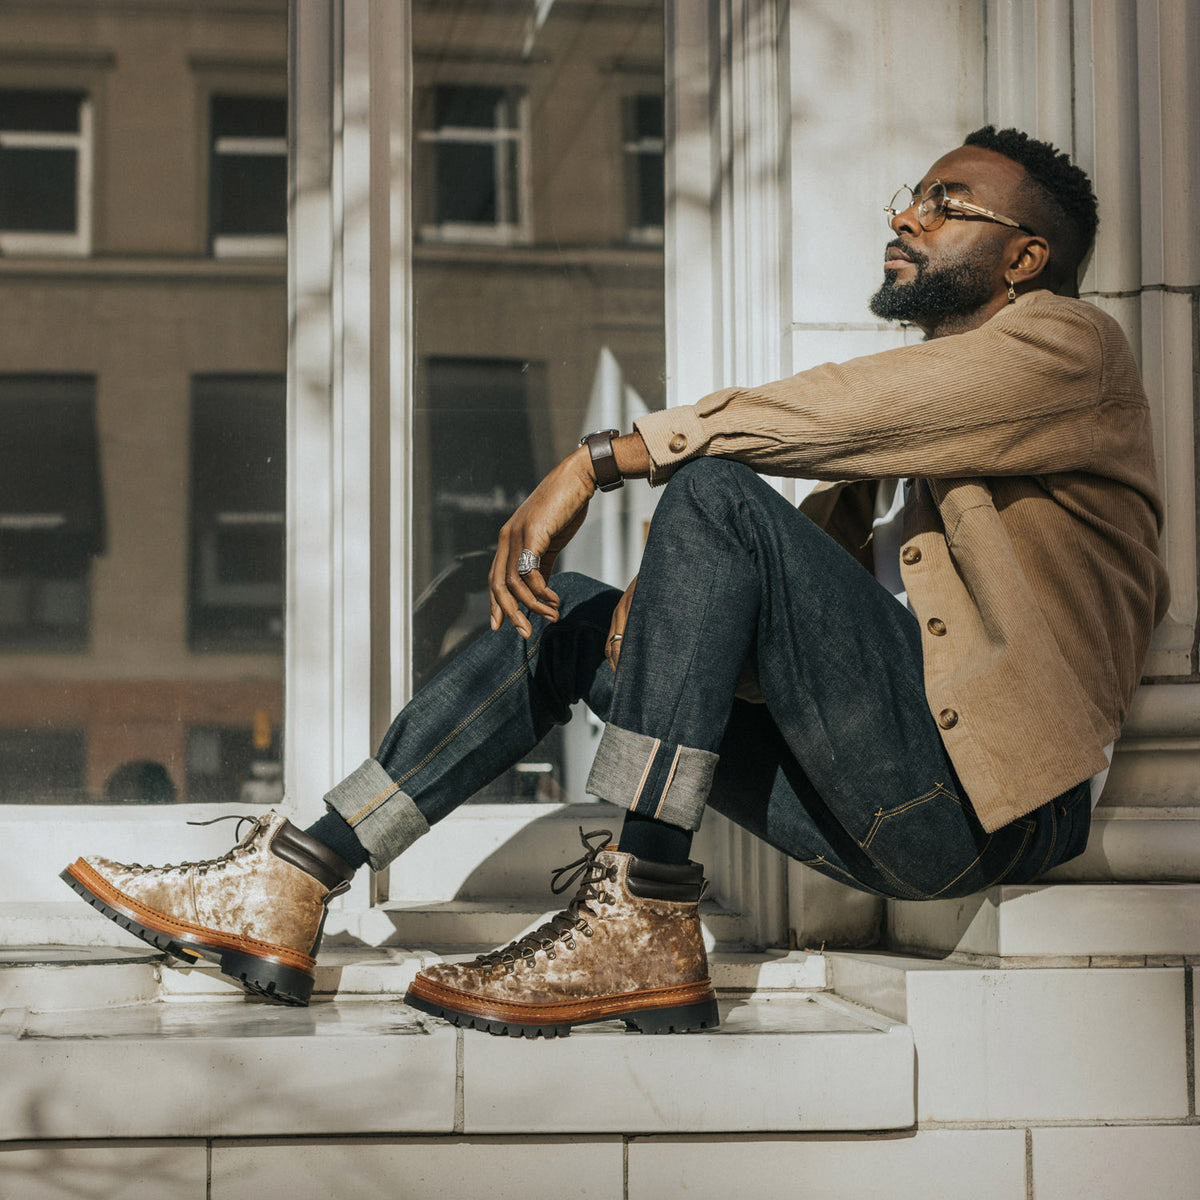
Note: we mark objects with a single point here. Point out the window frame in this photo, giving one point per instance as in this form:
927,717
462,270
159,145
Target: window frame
28,244
348,659
502,232
204,519
349,653
240,245
637,232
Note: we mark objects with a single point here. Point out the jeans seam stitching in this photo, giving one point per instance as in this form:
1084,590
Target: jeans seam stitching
372,804
1013,862
523,669
881,815
972,864
812,862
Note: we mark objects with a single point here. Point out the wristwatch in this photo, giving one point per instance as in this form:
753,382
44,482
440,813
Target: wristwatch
604,462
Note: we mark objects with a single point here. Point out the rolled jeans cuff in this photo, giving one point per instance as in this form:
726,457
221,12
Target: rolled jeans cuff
652,777
384,819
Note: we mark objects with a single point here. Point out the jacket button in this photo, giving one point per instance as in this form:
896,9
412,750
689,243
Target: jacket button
947,718
910,555
936,626
678,444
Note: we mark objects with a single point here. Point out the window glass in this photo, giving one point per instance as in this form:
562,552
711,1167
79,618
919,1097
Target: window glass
644,167
538,316
249,175
237,519
141,404
471,157
43,149
51,510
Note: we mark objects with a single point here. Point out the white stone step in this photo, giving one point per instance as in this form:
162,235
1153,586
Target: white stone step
1036,1043
1070,922
248,1069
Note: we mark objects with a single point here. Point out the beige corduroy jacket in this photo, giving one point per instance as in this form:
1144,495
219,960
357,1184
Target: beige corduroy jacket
1031,552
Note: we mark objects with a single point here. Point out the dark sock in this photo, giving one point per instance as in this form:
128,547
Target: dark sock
332,831
655,841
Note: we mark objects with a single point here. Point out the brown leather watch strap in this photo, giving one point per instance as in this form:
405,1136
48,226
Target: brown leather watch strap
604,462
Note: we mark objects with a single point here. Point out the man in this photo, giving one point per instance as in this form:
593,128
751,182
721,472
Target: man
913,685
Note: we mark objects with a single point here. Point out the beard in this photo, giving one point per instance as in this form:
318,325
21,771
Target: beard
956,288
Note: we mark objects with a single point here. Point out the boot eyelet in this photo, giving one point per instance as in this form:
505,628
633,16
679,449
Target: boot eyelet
551,954
587,931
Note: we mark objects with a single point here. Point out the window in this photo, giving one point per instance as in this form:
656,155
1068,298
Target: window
42,765
237,502
471,163
51,510
45,172
235,763
248,177
643,145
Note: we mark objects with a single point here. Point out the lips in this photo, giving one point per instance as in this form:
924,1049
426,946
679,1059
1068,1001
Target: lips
895,256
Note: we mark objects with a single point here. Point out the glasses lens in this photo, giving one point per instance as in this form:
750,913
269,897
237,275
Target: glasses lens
900,201
931,212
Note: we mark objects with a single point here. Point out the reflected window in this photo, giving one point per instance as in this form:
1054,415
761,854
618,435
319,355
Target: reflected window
235,763
45,169
249,176
237,512
51,510
42,766
478,416
643,146
470,163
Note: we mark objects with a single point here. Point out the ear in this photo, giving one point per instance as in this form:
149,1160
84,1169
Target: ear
1029,257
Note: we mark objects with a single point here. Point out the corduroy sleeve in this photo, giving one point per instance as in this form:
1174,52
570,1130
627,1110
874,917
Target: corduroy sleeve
1017,396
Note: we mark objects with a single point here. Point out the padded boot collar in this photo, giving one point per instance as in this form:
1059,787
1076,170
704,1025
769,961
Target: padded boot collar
683,884
311,856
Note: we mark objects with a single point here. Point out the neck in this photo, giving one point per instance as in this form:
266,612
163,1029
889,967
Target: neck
951,323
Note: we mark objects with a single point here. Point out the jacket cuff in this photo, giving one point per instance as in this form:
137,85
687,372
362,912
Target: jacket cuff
672,436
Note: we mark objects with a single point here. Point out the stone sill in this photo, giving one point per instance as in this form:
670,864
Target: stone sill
220,1068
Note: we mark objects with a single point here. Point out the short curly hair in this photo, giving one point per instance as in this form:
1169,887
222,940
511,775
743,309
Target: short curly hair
1063,205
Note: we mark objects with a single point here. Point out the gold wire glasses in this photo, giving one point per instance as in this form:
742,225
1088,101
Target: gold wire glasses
935,206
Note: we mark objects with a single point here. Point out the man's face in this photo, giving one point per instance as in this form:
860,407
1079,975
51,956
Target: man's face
957,270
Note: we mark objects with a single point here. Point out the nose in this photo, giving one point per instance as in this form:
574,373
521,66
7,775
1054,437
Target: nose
905,220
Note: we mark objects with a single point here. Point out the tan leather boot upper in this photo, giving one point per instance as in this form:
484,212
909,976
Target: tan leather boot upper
261,903
630,943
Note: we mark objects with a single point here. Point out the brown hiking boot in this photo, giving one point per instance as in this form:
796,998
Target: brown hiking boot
258,910
628,946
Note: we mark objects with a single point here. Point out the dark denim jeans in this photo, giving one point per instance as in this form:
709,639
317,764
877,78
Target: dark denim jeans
841,767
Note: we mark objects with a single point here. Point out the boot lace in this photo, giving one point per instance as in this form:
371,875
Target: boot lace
203,865
562,928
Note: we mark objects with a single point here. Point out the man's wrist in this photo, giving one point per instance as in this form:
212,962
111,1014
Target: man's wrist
603,462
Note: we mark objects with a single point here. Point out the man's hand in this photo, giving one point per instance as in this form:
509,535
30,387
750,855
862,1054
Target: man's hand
545,523
616,628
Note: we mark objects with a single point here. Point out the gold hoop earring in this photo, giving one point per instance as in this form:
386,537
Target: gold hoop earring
1012,292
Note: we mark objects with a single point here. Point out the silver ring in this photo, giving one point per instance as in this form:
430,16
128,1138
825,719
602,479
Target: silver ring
528,561
616,637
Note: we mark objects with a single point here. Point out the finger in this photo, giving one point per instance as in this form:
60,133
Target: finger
522,588
495,577
613,650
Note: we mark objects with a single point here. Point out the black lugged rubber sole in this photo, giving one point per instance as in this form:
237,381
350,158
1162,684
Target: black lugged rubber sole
273,981
683,1018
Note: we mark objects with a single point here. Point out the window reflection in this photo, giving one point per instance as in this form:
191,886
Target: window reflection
142,236
538,275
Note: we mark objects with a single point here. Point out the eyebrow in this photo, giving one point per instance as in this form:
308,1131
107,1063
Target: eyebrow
949,185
